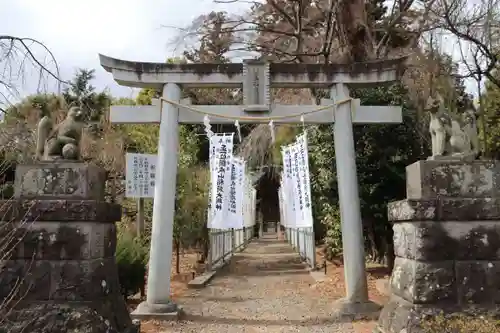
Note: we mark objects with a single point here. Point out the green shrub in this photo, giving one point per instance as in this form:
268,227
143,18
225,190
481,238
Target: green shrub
333,237
131,258
191,206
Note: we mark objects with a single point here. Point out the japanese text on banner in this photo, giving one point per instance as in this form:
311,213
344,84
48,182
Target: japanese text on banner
288,191
212,160
221,180
235,218
249,216
307,220
297,186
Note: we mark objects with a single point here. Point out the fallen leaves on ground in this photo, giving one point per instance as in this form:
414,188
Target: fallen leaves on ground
178,286
151,326
188,265
333,287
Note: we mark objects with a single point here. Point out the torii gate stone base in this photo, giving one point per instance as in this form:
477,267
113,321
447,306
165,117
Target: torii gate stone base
256,78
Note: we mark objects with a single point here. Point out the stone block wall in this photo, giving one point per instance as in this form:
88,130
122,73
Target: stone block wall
447,243
58,241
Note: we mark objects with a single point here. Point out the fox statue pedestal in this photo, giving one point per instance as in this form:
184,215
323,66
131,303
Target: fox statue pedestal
447,244
58,240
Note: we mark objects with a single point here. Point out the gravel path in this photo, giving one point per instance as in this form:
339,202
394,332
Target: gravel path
265,288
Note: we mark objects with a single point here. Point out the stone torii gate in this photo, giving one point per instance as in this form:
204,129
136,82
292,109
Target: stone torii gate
256,78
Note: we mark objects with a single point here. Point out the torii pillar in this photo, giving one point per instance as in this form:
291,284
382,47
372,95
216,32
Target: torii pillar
256,78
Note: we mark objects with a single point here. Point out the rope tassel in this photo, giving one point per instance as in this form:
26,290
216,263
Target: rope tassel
271,127
238,128
208,127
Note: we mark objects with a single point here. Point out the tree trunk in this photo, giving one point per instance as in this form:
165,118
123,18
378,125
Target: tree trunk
390,256
178,257
353,26
389,253
205,243
371,244
483,121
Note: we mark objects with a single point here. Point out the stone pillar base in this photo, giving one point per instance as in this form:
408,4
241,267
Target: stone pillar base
168,311
356,310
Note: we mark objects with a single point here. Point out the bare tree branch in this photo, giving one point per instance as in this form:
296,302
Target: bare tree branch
477,28
16,58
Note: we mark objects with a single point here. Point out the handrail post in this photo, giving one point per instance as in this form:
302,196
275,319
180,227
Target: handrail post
233,241
210,250
298,240
223,246
313,248
244,237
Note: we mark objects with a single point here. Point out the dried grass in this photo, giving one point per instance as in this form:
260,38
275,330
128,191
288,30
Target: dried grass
257,147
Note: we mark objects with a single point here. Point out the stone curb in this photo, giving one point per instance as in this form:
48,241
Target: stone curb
318,276
202,280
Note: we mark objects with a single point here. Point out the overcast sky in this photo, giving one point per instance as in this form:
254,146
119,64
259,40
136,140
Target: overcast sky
77,30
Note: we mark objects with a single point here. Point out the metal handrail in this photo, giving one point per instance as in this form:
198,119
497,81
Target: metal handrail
302,240
224,243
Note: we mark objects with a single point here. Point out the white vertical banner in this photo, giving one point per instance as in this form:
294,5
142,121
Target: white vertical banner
247,203
281,199
240,193
254,205
221,180
307,219
296,185
288,191
231,196
140,175
282,204
242,180
235,210
214,144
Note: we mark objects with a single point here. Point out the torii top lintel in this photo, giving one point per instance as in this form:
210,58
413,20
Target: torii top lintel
280,75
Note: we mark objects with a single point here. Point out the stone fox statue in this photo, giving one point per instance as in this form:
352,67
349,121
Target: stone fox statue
449,138
470,128
61,141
